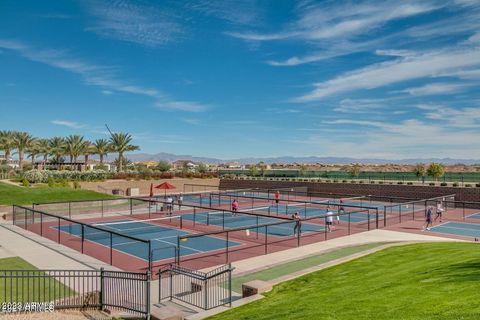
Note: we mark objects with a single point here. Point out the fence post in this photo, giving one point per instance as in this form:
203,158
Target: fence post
41,224
266,237
150,256
70,210
131,206
111,248
102,288
101,201
230,284
384,216
13,214
83,235
205,293
376,218
58,229
147,294
227,247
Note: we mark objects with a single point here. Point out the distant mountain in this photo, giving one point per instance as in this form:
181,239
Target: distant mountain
289,159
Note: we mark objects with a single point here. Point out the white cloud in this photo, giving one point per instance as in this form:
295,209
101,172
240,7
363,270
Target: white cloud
69,124
98,75
454,118
324,21
360,105
408,139
245,12
107,92
133,22
436,88
387,73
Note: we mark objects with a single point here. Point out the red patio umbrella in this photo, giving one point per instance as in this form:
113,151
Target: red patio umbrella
165,186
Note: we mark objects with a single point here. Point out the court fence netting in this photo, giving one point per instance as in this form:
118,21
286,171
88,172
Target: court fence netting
50,290
258,228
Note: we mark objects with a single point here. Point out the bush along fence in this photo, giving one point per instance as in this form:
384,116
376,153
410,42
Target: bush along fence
49,290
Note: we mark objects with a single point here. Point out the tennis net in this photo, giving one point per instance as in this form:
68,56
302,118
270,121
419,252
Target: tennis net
136,227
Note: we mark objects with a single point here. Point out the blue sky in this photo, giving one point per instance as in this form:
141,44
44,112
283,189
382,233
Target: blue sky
227,79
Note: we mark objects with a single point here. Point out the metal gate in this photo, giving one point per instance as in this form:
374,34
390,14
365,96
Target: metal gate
205,290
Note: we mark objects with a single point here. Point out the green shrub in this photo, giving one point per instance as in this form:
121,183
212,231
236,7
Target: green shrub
468,185
431,184
477,185
400,182
34,176
25,183
51,182
344,181
76,185
443,184
372,182
380,182
410,183
63,183
455,184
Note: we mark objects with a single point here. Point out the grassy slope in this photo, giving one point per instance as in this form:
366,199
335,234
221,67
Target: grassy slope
421,281
21,195
294,266
43,289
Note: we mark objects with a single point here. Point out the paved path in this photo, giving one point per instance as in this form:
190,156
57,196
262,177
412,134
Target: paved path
266,261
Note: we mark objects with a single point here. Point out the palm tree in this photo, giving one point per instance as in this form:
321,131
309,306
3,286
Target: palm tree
120,143
44,148
33,150
7,143
57,148
87,149
102,147
23,141
74,145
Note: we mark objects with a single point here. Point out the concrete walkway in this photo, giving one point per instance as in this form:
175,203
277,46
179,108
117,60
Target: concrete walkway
380,235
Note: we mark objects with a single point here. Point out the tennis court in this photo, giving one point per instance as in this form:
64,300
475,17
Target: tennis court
228,220
458,229
164,239
313,211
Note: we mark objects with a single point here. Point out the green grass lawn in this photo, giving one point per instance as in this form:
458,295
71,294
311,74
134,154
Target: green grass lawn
298,265
38,290
420,281
21,195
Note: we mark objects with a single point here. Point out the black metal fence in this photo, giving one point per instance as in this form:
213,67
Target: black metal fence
48,290
86,238
205,290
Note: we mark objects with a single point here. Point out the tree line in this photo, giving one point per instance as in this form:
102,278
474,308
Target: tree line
55,149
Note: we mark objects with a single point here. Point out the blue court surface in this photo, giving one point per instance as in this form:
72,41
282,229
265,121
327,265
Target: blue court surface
474,216
311,212
164,239
228,221
204,200
458,229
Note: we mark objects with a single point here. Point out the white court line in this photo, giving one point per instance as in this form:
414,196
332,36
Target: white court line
200,251
473,214
457,228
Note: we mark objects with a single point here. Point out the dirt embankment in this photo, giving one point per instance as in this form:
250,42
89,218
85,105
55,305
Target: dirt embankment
181,184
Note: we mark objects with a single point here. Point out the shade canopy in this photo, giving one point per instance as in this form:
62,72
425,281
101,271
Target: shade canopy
165,186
